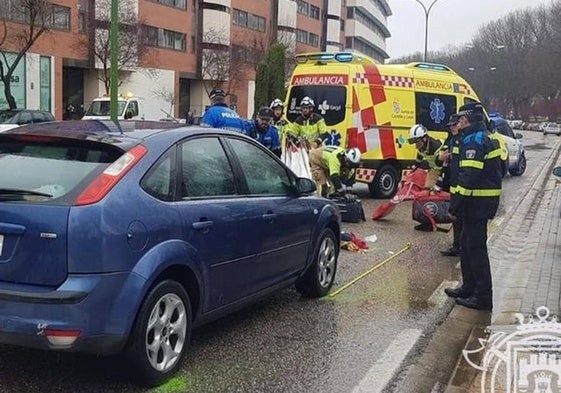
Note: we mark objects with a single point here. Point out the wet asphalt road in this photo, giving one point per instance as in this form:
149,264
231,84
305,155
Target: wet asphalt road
290,344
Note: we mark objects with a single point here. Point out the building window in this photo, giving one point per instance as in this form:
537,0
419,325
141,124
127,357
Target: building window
45,84
303,7
163,38
251,21
56,16
314,12
307,9
307,37
172,3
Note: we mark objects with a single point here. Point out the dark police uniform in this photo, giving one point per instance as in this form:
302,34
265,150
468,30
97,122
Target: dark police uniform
476,201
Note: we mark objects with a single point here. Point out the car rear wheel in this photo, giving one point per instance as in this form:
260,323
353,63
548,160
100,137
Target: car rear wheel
385,182
318,279
160,335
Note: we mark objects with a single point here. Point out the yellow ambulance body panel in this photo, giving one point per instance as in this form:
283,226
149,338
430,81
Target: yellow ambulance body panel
372,106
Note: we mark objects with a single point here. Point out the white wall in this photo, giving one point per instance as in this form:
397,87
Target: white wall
216,27
287,13
334,7
250,97
333,30
33,81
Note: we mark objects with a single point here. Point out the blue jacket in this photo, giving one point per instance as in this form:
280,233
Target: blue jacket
220,116
268,137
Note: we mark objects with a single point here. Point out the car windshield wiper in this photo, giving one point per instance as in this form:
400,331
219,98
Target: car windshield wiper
16,191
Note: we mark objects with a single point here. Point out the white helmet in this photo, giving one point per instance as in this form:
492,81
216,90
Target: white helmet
416,132
353,155
277,103
307,101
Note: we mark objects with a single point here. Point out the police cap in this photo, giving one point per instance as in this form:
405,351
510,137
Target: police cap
217,92
265,113
471,108
453,120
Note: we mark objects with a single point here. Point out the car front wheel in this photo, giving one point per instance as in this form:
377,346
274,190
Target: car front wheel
521,168
318,278
161,334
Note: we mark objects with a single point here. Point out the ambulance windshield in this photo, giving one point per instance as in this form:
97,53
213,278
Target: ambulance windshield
330,102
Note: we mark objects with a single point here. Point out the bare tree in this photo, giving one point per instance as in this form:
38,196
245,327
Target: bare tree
167,95
34,18
133,43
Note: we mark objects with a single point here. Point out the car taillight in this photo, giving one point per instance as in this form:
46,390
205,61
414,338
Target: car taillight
61,338
101,185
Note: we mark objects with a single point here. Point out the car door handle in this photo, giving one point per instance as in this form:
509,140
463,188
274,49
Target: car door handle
269,216
202,225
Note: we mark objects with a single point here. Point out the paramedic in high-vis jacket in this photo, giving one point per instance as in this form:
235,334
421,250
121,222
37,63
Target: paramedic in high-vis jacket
476,201
427,154
309,126
334,165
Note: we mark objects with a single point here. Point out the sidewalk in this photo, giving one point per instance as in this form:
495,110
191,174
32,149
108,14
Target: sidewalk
526,266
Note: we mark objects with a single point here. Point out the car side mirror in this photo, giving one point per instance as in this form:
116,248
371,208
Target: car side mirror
557,171
518,135
305,186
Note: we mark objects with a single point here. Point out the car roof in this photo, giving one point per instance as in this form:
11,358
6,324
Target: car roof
125,135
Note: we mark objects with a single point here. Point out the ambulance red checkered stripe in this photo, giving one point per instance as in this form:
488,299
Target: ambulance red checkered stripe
365,174
397,81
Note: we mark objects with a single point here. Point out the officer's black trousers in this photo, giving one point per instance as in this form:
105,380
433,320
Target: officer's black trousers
476,272
457,228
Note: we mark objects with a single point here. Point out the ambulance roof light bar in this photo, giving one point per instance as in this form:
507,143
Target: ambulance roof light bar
327,57
431,66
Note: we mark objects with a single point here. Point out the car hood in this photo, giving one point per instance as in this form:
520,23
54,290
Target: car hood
6,127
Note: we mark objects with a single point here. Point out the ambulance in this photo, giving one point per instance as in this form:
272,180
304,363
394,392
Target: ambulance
372,106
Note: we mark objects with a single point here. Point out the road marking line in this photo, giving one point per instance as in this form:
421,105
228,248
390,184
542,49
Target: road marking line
383,370
438,297
407,247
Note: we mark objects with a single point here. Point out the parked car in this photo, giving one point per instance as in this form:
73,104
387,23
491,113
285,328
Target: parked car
552,128
117,241
516,153
12,118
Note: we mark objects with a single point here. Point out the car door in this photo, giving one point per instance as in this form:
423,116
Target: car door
511,142
218,222
286,220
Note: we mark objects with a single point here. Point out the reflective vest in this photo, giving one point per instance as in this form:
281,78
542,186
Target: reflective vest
308,128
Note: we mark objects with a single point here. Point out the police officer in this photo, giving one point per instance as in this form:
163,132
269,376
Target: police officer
333,164
219,115
262,130
448,158
309,126
476,201
427,152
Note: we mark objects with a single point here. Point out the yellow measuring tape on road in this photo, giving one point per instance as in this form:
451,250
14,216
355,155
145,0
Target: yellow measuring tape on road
407,247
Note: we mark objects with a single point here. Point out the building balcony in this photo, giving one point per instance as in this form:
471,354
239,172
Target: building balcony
354,28
287,16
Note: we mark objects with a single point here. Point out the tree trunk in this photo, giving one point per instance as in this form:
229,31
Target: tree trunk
8,93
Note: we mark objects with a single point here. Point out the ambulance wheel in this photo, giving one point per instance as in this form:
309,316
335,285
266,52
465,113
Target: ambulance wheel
385,183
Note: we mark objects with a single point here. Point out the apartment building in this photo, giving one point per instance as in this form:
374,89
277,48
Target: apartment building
179,49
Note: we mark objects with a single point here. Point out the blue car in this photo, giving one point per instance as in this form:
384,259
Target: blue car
123,239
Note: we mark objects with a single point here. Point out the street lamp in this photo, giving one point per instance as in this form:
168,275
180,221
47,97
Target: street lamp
427,12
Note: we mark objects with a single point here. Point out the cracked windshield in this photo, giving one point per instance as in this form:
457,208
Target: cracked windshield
290,196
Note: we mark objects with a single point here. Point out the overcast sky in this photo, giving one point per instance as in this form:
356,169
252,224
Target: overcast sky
452,22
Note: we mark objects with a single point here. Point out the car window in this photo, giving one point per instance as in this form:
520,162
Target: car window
263,174
8,117
38,117
51,168
24,118
159,181
205,169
